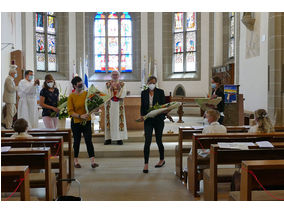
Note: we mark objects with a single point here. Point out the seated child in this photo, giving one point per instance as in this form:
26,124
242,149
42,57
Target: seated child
21,127
263,123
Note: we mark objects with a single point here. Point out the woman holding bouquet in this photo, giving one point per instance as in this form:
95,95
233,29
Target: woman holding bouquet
81,121
49,96
149,98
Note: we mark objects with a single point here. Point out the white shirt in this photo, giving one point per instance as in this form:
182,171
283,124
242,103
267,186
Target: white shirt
151,100
21,135
214,127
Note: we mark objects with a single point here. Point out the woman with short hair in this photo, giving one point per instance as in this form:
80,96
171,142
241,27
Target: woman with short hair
76,109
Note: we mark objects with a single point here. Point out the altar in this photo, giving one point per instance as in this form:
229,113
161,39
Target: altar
132,112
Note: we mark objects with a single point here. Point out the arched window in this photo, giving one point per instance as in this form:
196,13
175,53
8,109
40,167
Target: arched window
184,42
45,35
231,35
113,42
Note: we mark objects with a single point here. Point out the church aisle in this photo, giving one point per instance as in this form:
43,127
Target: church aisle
121,179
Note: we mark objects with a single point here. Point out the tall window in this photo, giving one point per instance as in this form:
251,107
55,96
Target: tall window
45,34
184,38
232,35
113,42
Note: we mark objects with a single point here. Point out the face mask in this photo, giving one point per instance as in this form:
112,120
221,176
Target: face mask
16,75
152,86
31,77
80,86
50,84
213,86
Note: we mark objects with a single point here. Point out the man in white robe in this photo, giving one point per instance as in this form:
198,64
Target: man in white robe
27,91
9,97
115,123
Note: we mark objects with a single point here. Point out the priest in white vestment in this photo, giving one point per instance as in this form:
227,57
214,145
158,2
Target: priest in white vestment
115,123
27,91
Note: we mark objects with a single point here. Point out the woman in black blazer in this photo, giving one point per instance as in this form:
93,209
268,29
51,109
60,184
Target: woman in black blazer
218,91
149,98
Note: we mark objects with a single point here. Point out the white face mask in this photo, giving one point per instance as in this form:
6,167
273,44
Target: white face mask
50,84
152,86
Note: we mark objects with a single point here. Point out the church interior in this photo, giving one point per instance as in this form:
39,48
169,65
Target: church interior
185,54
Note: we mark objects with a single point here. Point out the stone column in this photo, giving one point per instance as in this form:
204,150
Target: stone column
276,67
218,39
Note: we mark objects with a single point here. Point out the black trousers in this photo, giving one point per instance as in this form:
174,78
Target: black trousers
158,126
77,130
221,120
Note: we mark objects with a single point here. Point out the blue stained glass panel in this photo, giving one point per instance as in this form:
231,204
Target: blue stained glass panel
190,41
126,63
190,21
178,42
51,44
99,29
40,43
40,61
100,45
113,27
112,62
51,62
126,45
39,22
113,45
51,24
100,63
126,29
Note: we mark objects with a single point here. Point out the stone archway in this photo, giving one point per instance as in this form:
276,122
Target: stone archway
179,91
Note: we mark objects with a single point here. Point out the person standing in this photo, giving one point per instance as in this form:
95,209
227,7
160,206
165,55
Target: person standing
149,98
218,91
115,123
49,96
27,91
9,97
76,109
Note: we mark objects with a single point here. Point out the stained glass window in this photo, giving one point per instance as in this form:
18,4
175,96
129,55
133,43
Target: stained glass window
113,42
185,29
231,35
45,35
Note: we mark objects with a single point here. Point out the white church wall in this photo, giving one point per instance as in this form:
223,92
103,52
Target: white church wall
10,33
253,65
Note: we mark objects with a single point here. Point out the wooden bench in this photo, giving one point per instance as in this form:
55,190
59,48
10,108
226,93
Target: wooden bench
264,170
67,137
57,158
220,156
208,139
36,159
10,176
187,133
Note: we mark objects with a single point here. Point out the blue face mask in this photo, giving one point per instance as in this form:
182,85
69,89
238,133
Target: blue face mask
213,86
16,75
31,77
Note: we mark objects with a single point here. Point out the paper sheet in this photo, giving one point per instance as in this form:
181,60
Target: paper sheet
5,148
198,127
264,144
236,145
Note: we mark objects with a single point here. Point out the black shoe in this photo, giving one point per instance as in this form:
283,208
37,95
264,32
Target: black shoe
107,142
159,166
145,170
120,142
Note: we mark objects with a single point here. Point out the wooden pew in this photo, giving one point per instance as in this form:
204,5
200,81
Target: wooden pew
264,170
67,137
9,177
229,156
187,133
35,159
57,158
209,139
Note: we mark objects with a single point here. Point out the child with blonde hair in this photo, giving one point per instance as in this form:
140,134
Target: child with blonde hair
263,122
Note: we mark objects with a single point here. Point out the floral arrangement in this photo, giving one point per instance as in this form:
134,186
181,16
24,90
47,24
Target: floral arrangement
62,106
159,109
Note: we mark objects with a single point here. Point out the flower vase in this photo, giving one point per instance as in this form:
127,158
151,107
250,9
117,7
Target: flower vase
61,123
